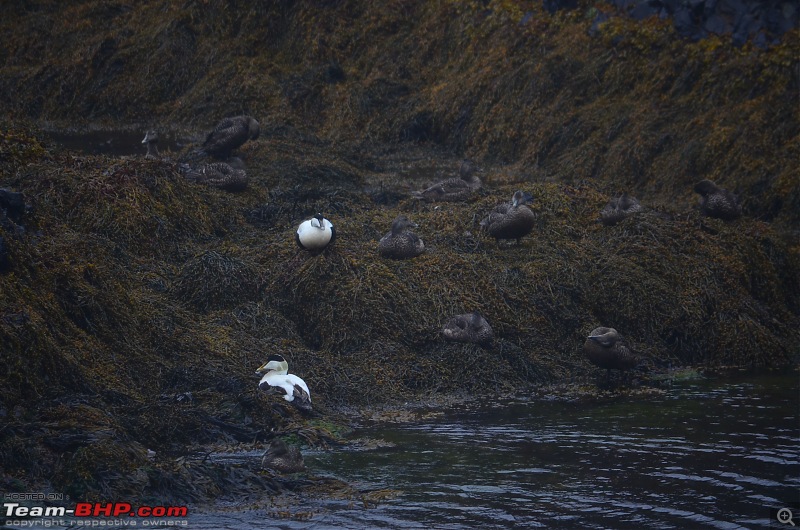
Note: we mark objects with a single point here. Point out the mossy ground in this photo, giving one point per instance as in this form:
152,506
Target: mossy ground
138,304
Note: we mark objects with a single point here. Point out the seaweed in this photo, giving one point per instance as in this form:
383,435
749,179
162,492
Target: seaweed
135,305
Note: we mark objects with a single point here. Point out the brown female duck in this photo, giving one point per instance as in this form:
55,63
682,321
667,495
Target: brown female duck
471,328
453,189
511,220
400,242
605,348
717,202
619,208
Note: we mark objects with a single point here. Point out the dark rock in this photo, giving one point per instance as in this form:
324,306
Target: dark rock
13,203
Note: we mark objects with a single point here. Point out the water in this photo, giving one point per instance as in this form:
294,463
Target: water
707,454
114,142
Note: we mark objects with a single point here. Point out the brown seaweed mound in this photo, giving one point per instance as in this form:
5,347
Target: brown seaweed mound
136,305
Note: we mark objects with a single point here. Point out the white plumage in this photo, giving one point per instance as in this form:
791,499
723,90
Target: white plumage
315,234
277,376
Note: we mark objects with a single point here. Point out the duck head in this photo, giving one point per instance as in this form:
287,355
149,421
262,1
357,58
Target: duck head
275,363
604,336
318,221
705,186
521,197
150,137
253,129
401,223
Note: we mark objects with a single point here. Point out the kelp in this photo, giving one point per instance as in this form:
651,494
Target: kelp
137,305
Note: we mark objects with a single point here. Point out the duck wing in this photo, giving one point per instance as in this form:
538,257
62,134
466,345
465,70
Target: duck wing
229,134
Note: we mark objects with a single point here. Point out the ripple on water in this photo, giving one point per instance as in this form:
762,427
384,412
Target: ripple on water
705,455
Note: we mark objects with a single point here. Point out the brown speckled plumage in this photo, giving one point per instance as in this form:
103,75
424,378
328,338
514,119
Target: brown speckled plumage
717,202
511,220
229,134
282,458
605,348
400,243
452,189
219,175
471,328
619,208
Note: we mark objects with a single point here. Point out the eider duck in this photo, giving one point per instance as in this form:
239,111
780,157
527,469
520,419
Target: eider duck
619,208
605,348
229,134
315,234
218,174
400,243
511,220
151,142
717,202
282,458
277,376
472,328
452,189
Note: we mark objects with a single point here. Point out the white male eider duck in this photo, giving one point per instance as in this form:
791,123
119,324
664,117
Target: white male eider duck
470,328
277,376
717,202
229,134
401,243
511,220
151,142
282,458
452,189
315,234
619,208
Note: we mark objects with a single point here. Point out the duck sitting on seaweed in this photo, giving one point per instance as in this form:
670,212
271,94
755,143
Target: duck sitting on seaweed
277,376
228,176
470,328
400,242
717,202
619,208
315,234
511,220
453,189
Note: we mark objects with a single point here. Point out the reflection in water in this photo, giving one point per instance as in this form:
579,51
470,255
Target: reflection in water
705,455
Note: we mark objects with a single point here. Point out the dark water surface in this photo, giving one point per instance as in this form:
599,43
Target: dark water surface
706,454
114,142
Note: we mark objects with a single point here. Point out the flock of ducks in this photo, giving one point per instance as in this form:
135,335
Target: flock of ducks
513,220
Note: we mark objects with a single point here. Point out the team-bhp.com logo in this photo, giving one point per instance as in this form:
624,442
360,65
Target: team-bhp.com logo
125,513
